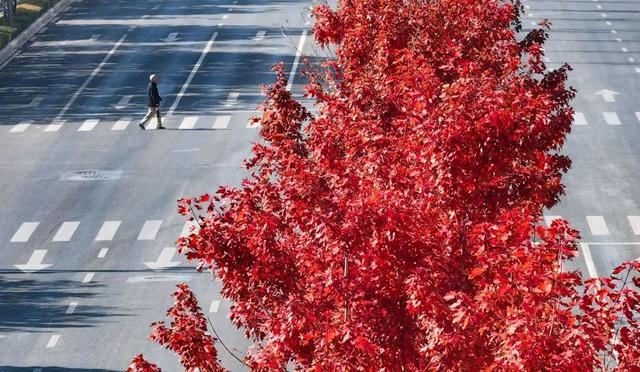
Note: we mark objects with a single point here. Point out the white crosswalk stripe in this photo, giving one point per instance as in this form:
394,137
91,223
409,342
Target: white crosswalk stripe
66,231
597,225
150,230
55,126
108,230
21,127
24,232
222,122
188,122
611,118
634,221
549,219
579,119
189,228
88,125
232,99
121,124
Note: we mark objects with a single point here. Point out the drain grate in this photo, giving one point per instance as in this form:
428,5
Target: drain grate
92,175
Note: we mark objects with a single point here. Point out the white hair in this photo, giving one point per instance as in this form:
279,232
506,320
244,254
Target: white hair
153,77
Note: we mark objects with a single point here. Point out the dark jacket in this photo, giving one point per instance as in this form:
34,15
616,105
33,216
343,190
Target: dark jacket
153,97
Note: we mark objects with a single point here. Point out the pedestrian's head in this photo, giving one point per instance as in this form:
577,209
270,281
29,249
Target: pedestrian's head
154,78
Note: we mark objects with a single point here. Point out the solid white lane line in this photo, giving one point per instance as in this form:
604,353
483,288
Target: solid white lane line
88,278
71,308
586,253
90,78
222,122
53,341
121,124
597,225
215,304
611,118
188,122
634,221
21,127
192,74
66,231
88,125
103,252
55,126
232,99
189,228
108,230
24,232
303,37
150,230
549,219
579,119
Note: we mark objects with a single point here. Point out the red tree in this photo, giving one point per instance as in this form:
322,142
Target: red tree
398,229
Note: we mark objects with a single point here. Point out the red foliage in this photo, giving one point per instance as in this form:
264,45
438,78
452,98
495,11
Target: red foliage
139,364
398,229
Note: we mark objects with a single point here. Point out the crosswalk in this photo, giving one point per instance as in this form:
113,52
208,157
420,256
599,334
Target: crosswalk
597,226
107,231
127,123
605,118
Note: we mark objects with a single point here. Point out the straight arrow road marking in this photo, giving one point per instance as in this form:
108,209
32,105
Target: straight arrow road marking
149,230
66,231
222,122
24,232
204,53
607,95
35,262
164,260
215,304
88,125
121,124
171,37
123,102
53,341
108,230
611,118
188,123
21,127
296,61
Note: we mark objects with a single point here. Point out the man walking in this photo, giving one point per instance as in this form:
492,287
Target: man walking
153,101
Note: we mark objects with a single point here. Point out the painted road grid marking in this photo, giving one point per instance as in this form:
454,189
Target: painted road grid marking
222,122
53,341
108,230
188,122
103,252
597,225
121,124
66,231
88,277
24,232
88,125
21,127
150,230
71,308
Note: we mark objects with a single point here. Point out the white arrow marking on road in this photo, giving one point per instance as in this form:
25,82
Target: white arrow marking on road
607,95
214,306
124,102
171,37
35,262
260,35
35,102
164,260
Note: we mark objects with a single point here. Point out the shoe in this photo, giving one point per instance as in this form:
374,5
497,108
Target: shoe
141,126
161,127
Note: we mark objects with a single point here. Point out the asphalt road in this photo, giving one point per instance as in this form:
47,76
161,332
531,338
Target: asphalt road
92,196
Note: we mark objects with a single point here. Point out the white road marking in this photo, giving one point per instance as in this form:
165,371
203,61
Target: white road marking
188,122
214,306
225,16
108,230
192,74
625,50
164,260
597,225
222,122
611,118
21,127
172,37
159,278
604,15
586,252
549,219
71,308
608,23
150,230
187,228
90,78
303,37
121,124
634,221
103,252
607,95
95,37
533,23
618,40
53,341
88,125
220,24
35,262
88,278
123,102
614,31
638,116
253,125
24,232
232,99
36,101
66,231
153,124
630,59
55,126
599,6
579,119
260,35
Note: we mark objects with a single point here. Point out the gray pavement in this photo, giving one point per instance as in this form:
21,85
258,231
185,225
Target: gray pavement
94,197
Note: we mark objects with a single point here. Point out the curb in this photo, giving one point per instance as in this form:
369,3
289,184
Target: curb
9,50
